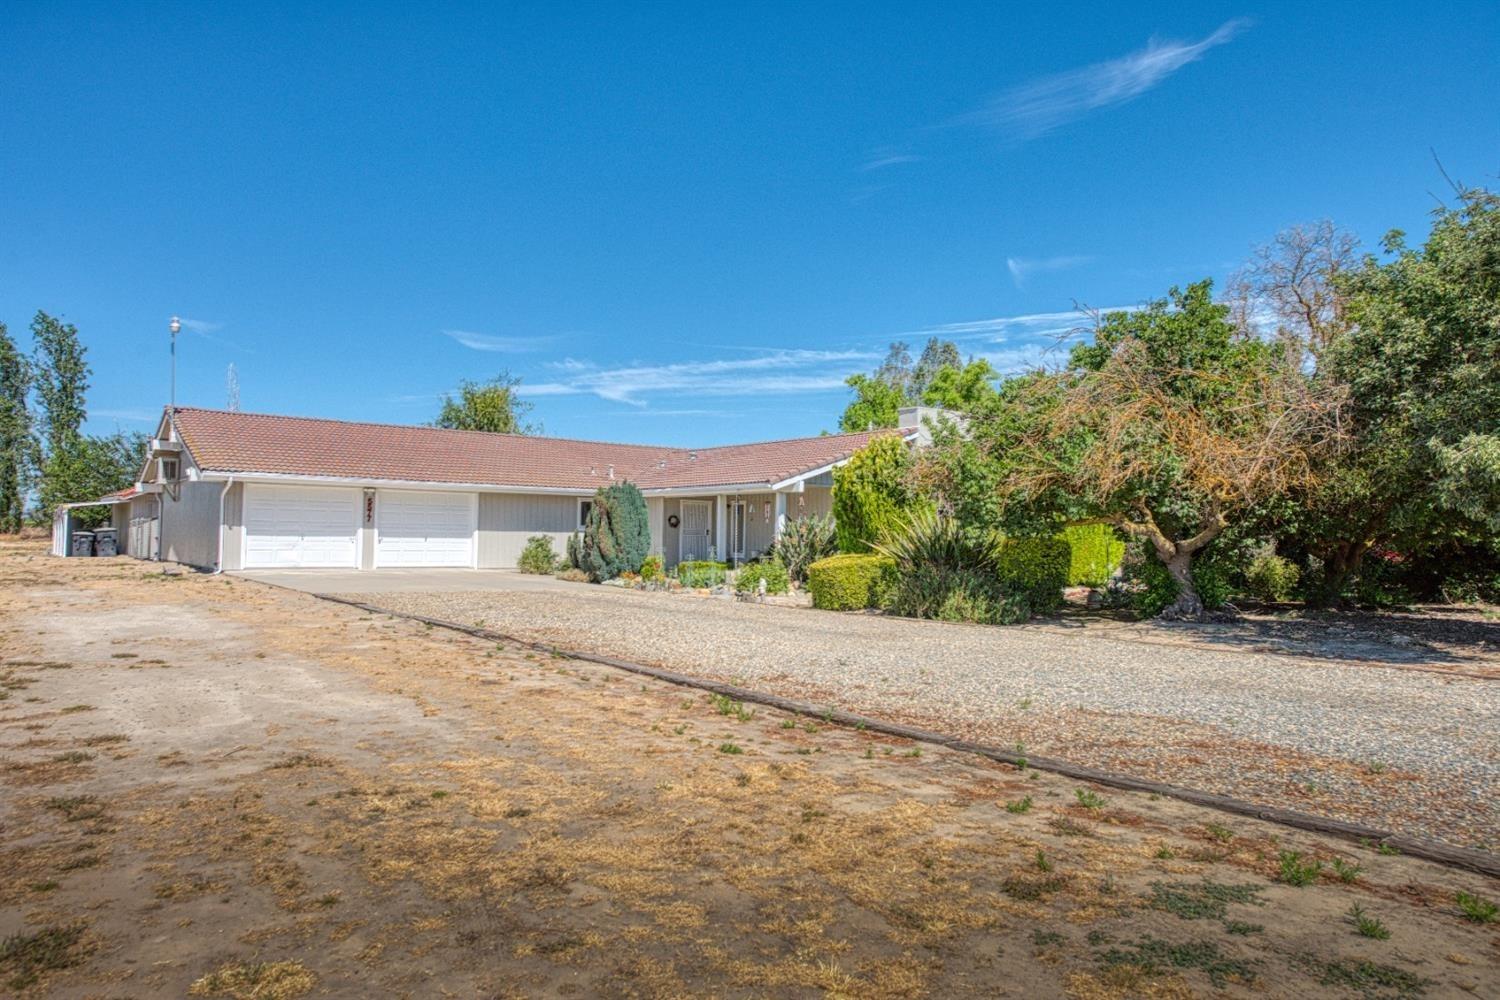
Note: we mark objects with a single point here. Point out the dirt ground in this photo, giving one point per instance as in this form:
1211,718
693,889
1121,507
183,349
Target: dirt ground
214,788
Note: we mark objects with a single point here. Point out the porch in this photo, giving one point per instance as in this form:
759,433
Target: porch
729,527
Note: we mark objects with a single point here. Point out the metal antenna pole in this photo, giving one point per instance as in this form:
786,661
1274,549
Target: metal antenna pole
174,326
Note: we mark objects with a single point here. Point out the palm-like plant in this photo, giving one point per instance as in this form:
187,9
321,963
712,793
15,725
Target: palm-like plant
803,542
926,538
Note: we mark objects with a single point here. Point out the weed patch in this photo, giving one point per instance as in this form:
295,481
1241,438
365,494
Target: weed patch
1201,900
258,981
1154,956
24,957
1367,979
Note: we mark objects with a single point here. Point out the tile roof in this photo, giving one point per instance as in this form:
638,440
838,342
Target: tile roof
234,442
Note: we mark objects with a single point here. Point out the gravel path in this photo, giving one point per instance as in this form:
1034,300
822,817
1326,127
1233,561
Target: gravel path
1416,750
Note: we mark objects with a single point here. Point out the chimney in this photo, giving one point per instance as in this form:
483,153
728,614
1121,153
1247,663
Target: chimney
922,420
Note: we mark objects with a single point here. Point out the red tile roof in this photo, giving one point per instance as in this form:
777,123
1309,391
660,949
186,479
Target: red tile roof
233,442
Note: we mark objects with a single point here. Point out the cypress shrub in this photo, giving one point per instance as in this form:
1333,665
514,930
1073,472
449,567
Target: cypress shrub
538,556
871,496
617,537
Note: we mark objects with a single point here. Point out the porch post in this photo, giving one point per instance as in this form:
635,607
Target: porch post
780,516
719,508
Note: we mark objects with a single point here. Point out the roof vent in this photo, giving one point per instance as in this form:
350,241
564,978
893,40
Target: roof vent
692,456
611,472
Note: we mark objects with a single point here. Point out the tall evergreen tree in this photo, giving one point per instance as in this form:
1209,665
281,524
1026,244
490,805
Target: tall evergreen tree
62,382
936,356
15,432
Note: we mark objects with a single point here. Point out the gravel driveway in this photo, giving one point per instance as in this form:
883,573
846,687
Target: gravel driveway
1417,750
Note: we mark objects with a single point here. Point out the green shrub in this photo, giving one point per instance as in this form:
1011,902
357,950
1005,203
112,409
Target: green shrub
871,495
702,573
618,534
652,569
538,556
747,580
574,551
803,542
1035,570
1097,552
1272,578
851,581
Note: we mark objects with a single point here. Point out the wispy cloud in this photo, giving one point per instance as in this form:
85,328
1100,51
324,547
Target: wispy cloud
885,158
1022,268
129,416
1035,108
1021,342
778,372
500,345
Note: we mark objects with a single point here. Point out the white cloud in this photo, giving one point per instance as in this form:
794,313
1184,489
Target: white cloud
130,416
503,345
1036,108
1022,268
777,372
881,160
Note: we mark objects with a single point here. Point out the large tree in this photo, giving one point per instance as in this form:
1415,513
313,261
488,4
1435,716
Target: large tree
939,378
96,466
16,451
494,406
937,356
1170,425
61,373
1419,354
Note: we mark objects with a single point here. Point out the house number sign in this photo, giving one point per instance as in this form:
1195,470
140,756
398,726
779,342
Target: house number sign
369,508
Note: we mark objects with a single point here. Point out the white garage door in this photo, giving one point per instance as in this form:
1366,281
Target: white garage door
424,529
301,526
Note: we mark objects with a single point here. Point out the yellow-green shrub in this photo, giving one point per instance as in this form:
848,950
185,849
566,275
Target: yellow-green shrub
1097,553
851,581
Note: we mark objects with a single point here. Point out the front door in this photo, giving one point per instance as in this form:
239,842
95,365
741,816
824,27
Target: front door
694,540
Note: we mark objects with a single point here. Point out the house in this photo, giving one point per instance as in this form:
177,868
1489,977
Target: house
226,490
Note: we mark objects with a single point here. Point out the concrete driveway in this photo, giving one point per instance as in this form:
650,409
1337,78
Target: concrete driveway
403,581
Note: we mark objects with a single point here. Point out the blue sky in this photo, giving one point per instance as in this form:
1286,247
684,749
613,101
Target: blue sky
680,225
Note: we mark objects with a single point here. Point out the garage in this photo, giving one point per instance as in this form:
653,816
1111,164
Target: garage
301,526
425,529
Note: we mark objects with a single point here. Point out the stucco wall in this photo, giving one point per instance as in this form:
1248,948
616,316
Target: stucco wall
506,520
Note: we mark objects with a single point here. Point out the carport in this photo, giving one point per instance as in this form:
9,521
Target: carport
64,521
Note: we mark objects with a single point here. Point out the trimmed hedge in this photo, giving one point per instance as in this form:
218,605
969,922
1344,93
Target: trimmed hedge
1035,570
1097,553
702,573
851,581
747,580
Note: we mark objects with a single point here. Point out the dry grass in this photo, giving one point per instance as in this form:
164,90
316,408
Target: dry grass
455,817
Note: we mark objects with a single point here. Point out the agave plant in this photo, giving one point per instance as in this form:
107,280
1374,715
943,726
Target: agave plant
928,538
803,542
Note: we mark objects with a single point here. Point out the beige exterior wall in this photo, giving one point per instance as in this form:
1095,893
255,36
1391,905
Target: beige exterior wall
816,500
190,525
234,526
506,520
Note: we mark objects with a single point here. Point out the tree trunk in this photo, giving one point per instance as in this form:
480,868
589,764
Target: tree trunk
1339,564
1188,604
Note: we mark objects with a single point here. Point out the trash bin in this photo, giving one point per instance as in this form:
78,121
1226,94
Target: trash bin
83,543
106,542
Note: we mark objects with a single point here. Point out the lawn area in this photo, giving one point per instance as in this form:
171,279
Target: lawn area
218,788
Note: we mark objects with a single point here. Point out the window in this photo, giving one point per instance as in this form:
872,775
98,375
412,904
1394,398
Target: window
584,506
168,470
